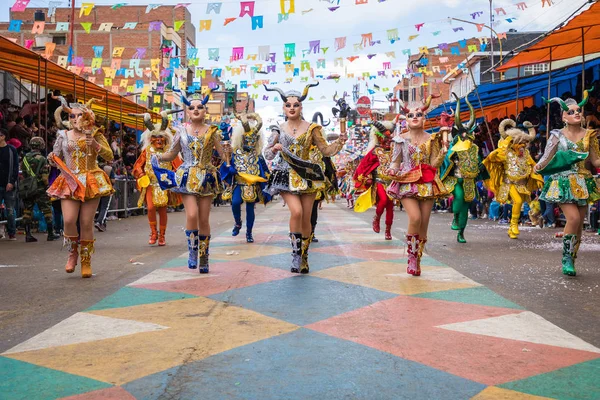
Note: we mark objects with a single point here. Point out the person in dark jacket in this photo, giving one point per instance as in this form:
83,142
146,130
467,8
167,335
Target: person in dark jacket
9,173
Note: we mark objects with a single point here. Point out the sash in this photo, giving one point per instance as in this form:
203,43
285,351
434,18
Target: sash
305,169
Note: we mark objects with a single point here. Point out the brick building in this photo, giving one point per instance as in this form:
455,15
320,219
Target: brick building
127,50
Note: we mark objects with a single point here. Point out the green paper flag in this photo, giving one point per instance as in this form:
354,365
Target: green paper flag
178,25
87,26
118,5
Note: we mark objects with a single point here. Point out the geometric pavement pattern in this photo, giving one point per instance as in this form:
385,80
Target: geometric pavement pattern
356,327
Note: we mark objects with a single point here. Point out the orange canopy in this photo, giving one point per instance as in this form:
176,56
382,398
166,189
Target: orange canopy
564,43
33,67
500,110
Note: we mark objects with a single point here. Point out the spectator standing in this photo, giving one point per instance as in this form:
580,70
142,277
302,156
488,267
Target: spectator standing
9,173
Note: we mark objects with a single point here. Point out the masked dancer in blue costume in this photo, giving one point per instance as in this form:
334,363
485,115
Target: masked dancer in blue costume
197,179
294,175
247,173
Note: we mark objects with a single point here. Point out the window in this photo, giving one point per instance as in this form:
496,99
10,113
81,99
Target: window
534,69
59,39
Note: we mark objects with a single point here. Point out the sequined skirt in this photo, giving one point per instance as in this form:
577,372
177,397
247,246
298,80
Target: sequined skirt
160,198
570,188
199,181
289,181
94,184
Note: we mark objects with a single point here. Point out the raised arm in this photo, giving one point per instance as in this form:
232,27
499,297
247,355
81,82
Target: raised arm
173,151
103,148
328,150
594,149
549,152
270,153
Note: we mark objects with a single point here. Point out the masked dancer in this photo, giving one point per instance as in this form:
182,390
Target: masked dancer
510,166
570,183
293,175
370,175
81,182
462,167
197,179
416,156
156,140
247,173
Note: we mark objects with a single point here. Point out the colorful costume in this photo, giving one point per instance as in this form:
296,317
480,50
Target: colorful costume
461,170
294,172
247,173
36,167
155,140
370,176
568,178
417,178
197,176
511,171
80,178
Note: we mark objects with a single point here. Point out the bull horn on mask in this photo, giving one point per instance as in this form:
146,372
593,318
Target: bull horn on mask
147,120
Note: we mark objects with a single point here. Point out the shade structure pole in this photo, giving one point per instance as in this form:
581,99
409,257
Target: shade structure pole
518,82
46,103
84,91
38,92
106,106
549,96
582,63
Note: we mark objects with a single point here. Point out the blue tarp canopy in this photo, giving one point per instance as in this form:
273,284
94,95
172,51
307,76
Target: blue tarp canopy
562,81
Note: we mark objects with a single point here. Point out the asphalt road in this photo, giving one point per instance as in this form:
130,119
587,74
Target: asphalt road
36,294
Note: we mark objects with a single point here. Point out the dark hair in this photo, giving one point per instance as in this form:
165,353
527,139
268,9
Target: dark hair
3,132
18,120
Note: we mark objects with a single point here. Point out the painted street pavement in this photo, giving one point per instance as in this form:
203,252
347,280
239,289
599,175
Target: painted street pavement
356,327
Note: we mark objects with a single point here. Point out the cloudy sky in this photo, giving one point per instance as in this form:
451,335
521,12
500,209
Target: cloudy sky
313,20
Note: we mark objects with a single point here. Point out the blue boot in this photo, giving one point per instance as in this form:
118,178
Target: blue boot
192,239
236,228
204,241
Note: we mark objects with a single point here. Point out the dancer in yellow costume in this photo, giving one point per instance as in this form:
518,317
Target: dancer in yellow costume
510,166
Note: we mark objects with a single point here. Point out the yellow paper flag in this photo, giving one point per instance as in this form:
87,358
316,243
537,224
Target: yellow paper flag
87,26
86,9
178,25
364,201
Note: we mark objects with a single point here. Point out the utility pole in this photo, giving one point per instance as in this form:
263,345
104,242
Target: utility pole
491,36
72,27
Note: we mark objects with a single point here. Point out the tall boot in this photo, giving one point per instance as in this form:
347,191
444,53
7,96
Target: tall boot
312,235
577,247
161,236
236,228
455,226
153,233
513,229
568,257
296,240
192,239
388,231
460,236
377,223
203,244
72,243
87,249
420,254
249,237
412,251
29,238
51,234
304,268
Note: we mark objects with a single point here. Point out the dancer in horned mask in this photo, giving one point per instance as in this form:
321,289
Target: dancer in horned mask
293,175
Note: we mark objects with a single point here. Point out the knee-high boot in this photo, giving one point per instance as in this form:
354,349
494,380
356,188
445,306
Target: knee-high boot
420,254
296,240
412,251
72,244
203,245
568,257
87,249
153,233
192,239
161,236
304,268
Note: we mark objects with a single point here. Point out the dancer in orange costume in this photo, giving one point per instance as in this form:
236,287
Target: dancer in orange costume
81,182
156,140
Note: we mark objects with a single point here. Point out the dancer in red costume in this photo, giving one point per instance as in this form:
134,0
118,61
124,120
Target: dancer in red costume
416,156
371,171
156,140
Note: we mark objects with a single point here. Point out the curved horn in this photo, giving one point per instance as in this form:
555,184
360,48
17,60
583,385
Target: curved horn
457,121
335,96
305,91
165,120
558,100
318,116
207,97
88,104
403,107
507,122
471,114
586,97
379,126
147,120
258,119
276,89
531,129
184,100
244,121
428,102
